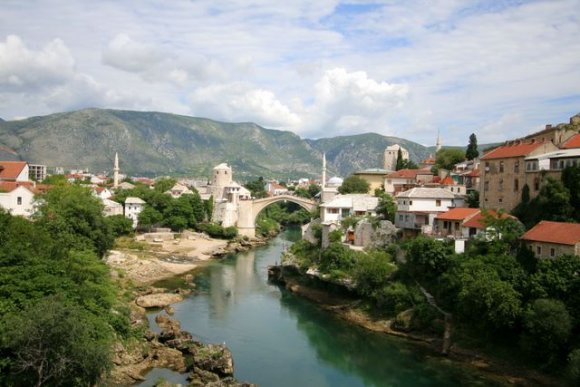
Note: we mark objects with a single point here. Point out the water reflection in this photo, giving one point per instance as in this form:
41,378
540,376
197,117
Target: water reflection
279,339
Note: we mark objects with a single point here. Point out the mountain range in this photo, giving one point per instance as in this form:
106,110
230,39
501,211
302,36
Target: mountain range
153,144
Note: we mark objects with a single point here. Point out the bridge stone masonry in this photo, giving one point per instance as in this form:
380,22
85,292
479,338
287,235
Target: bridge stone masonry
248,211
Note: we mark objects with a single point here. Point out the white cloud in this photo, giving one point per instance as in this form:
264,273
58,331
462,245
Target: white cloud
25,70
346,102
242,102
126,54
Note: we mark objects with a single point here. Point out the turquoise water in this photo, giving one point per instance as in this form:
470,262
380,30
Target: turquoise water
279,339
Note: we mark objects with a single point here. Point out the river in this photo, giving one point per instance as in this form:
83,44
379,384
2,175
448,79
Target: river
279,339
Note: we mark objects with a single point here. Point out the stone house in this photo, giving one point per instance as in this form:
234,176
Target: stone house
406,179
343,206
391,155
17,197
133,207
417,209
178,190
553,239
503,173
374,176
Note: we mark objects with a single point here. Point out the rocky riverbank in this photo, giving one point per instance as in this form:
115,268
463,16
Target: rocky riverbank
345,305
150,258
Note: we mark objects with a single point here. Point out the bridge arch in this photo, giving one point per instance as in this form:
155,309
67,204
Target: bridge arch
249,210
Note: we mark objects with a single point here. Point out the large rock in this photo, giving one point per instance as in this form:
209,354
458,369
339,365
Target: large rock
215,358
160,300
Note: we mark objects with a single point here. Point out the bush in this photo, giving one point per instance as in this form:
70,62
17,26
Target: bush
574,367
216,231
394,297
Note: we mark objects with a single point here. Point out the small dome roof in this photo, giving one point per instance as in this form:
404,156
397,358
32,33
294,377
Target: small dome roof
335,180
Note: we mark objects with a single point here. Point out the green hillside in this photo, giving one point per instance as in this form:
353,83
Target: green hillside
151,143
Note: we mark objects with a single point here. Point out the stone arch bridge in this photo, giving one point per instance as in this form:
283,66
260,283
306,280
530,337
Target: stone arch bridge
248,211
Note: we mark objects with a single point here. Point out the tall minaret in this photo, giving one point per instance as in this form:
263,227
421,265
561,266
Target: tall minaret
438,144
116,171
323,182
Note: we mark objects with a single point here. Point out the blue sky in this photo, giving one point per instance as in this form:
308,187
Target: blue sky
318,68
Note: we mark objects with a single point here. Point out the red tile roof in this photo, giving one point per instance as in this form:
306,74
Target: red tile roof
516,149
408,173
9,170
478,220
573,142
458,214
448,181
554,232
9,186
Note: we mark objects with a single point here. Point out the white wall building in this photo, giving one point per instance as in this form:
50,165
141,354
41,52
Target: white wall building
417,208
112,208
343,206
17,199
133,207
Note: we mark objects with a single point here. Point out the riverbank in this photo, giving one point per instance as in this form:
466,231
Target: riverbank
138,263
149,258
352,309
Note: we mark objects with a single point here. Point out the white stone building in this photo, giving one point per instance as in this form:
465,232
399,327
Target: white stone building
112,208
133,207
417,208
17,198
343,206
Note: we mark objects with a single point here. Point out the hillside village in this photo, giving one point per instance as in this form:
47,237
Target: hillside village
428,201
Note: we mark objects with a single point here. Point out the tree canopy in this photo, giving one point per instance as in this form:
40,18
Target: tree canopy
446,158
354,184
471,152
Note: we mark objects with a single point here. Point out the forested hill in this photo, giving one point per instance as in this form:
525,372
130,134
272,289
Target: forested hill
151,143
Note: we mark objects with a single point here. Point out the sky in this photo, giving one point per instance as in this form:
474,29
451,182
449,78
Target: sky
319,68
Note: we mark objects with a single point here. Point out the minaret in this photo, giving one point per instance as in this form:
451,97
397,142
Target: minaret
116,171
438,144
323,182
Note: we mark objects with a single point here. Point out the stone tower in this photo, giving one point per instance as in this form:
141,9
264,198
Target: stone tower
438,144
116,171
222,177
323,182
391,154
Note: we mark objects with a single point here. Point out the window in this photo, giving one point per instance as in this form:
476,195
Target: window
406,218
501,167
536,184
517,166
486,186
500,186
552,252
486,166
516,185
400,218
332,210
500,200
538,250
438,203
410,202
19,200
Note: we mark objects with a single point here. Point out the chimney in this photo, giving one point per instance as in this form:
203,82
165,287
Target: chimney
548,126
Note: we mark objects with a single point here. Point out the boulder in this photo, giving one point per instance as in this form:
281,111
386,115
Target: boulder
215,358
159,300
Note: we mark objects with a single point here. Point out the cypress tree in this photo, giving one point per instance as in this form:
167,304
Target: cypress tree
471,152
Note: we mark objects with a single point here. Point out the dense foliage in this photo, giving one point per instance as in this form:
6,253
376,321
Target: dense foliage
271,218
471,152
446,158
556,201
58,309
354,184
498,294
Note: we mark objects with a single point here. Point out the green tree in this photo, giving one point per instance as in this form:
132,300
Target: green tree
547,327
164,184
386,207
473,199
485,299
471,152
55,343
257,188
354,184
208,204
571,181
302,192
448,157
75,217
119,225
313,190
149,217
426,258
373,271
400,161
